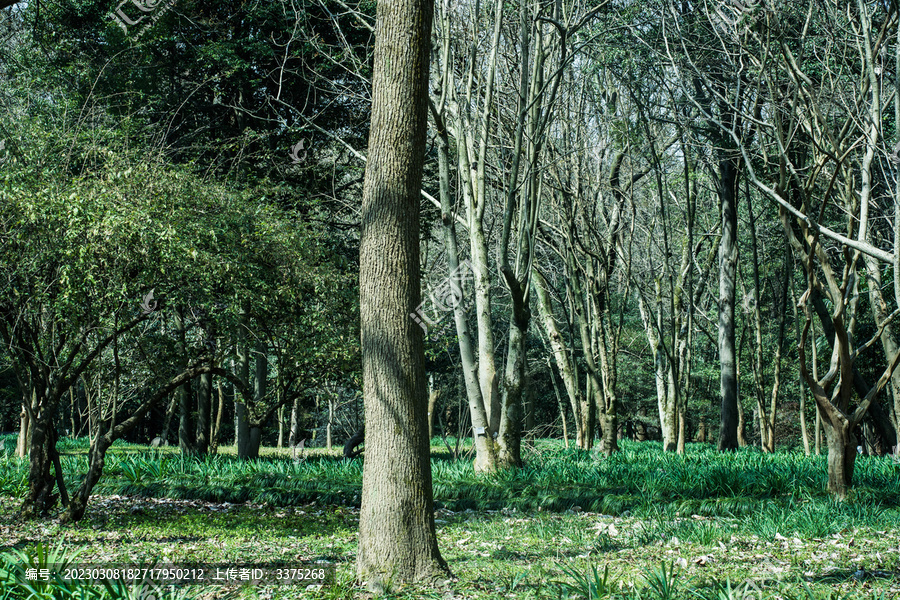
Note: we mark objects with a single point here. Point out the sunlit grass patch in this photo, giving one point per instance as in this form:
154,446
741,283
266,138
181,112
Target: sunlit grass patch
717,520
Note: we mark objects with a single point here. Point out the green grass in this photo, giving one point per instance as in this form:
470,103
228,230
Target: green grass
572,524
638,481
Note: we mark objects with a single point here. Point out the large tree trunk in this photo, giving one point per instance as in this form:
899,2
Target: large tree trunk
510,438
397,538
253,441
841,457
40,498
728,381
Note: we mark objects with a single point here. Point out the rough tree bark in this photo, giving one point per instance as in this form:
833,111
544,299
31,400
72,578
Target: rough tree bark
728,194
397,538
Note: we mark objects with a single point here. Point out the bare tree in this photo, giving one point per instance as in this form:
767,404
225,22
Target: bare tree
819,135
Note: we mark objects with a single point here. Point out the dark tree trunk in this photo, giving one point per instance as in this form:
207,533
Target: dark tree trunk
356,440
397,538
841,459
253,441
241,427
186,433
96,462
41,482
250,446
510,434
170,413
728,382
186,419
204,410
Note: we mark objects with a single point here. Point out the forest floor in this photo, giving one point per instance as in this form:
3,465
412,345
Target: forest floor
769,540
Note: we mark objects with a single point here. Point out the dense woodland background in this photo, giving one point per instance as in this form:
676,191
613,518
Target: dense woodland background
657,220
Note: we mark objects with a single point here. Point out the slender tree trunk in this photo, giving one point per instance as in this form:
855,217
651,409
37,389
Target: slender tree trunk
765,418
480,393
186,431
397,537
742,423
769,423
280,442
562,406
528,402
93,402
663,374
802,384
432,403
214,436
204,413
560,352
170,413
606,348
818,431
293,432
24,440
889,344
186,419
328,428
241,418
